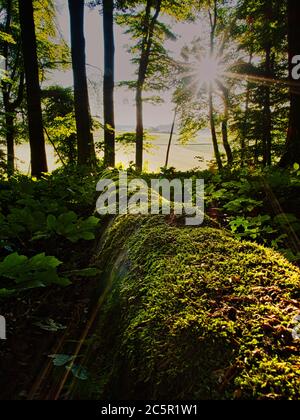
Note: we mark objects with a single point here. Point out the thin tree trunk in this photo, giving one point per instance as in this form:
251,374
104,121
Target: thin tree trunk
139,129
9,120
244,133
35,120
256,152
213,17
213,131
10,146
267,115
85,142
148,27
292,152
109,83
226,142
225,97
10,114
170,140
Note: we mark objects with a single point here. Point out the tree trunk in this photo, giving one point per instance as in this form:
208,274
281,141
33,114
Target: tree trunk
10,105
139,129
267,114
10,146
256,152
244,133
9,119
35,120
226,142
225,97
148,27
170,140
292,152
213,131
109,83
10,115
85,142
213,17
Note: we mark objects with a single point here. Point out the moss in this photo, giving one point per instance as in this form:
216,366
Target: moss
195,314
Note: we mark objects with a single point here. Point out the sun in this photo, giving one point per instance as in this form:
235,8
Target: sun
210,70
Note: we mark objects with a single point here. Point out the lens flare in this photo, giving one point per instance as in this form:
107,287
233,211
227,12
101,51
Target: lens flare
210,70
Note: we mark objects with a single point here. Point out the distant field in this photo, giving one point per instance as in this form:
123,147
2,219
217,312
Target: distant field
182,157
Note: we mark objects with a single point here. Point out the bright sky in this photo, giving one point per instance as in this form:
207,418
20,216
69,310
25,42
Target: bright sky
124,99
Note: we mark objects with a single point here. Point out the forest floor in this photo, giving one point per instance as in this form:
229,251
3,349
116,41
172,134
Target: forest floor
41,323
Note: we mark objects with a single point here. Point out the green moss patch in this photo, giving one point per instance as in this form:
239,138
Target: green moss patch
195,314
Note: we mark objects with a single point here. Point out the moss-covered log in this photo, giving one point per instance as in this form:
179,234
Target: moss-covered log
195,314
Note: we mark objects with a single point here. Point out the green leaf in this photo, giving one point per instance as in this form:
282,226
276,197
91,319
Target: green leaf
39,271
51,222
50,325
296,166
61,359
7,38
41,260
6,293
88,236
12,261
62,281
67,218
79,372
92,221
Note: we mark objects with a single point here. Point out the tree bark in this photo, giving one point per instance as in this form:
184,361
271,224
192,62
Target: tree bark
292,151
10,114
35,120
213,17
139,129
225,97
170,139
226,142
9,104
85,141
148,28
244,131
9,120
109,83
10,145
267,114
213,131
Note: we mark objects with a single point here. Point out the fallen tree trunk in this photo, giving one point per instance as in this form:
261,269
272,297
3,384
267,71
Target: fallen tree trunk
194,314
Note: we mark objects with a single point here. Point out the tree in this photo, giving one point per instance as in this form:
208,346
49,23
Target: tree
170,139
292,152
109,82
148,29
225,118
12,90
85,142
260,30
35,120
204,90
149,54
108,7
213,19
59,122
52,52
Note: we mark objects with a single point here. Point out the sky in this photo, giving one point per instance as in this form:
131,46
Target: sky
124,99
